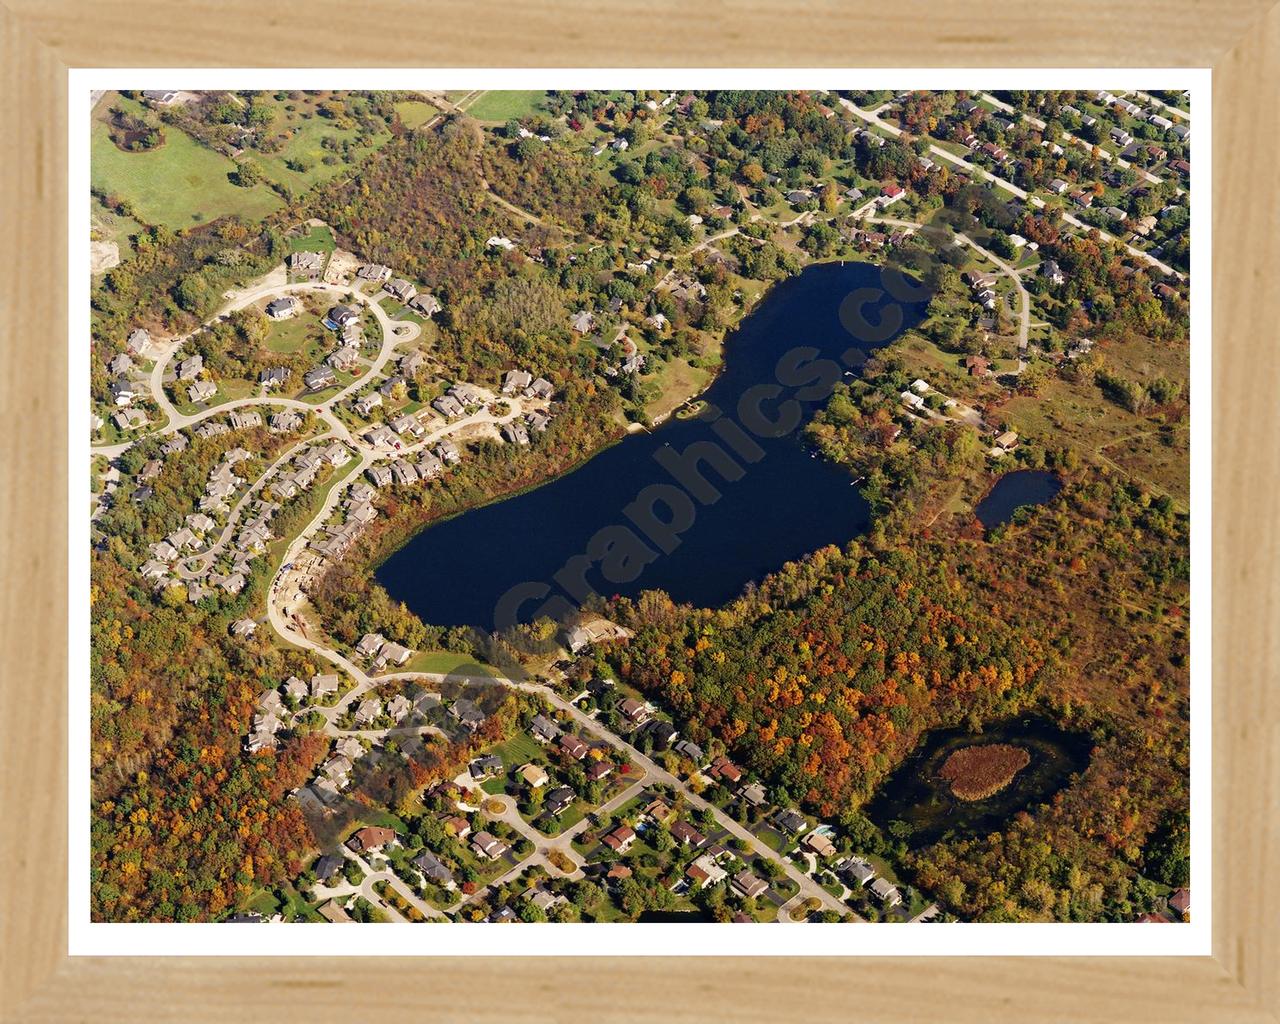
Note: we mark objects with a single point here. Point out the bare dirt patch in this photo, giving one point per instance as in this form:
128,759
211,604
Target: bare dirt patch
103,256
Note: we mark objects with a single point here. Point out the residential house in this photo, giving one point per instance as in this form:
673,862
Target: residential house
283,308
327,866
139,342
634,711
400,289
320,378
573,746
306,262
433,868
534,775
285,422
365,404
662,732
370,839
543,729
322,685
886,892
488,846
857,872
749,886
724,770
246,419
753,794
516,381
124,391
373,272
790,821
425,303
393,654
620,839
412,364
406,425
369,711
557,800
340,316
1007,441
686,835
889,195
485,767
1051,270
190,368
467,714
819,843
458,826
540,388
705,872
201,391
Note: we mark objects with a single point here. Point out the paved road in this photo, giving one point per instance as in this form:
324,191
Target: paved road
394,332
366,889
657,773
1103,153
203,559
1024,297
1008,186
1147,98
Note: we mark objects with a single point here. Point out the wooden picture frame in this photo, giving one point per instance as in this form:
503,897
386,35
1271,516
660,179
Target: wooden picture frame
39,41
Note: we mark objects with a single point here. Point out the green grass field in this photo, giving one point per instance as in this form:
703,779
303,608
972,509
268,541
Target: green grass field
307,144
502,106
114,228
178,185
297,333
318,239
415,113
444,662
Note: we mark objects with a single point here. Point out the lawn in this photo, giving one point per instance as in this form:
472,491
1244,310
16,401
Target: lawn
318,239
295,334
178,185
112,227
677,382
230,389
446,662
415,113
520,749
502,105
307,145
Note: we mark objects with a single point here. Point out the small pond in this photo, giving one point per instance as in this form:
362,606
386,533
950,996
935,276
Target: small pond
919,795
1014,490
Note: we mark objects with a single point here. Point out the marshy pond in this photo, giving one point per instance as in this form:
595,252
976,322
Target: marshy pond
967,783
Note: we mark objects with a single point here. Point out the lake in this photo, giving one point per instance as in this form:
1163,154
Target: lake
1014,490
916,794
697,507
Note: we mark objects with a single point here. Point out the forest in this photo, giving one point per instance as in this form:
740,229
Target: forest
824,677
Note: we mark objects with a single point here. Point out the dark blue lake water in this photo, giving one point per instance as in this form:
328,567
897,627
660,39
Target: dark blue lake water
1012,491
698,507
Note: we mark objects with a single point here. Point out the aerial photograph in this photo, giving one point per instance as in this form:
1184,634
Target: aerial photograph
639,505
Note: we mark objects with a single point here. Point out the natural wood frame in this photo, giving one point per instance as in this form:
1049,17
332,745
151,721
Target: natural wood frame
40,39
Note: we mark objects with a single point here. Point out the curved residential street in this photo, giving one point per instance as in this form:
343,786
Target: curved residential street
394,333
